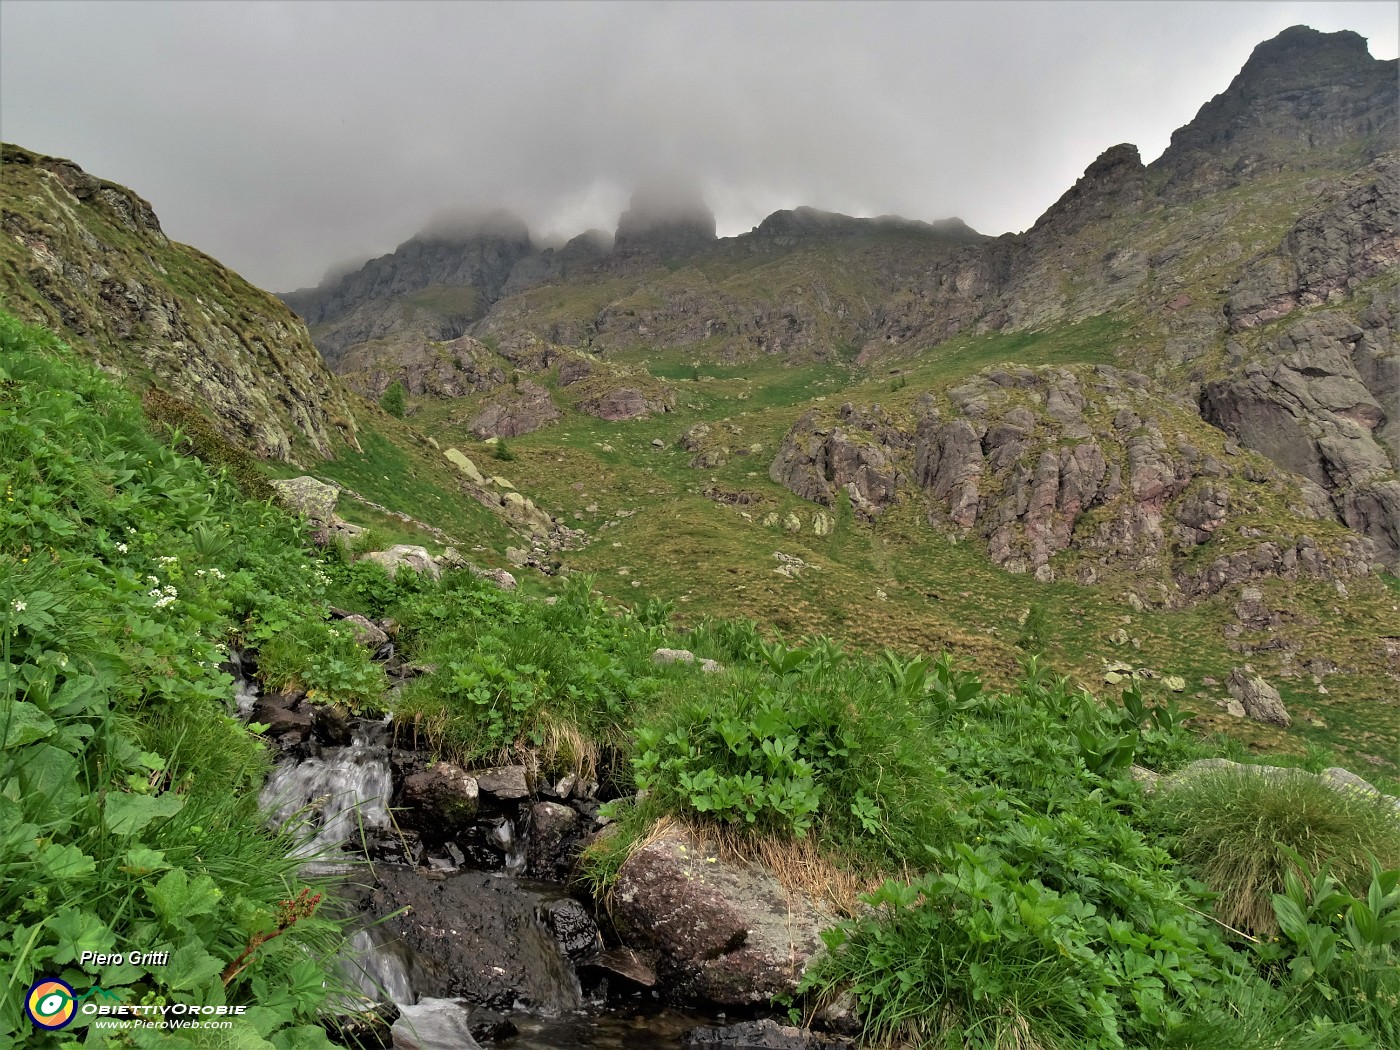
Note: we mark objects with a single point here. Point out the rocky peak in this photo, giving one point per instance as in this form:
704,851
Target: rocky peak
669,218
460,251
1113,183
1300,97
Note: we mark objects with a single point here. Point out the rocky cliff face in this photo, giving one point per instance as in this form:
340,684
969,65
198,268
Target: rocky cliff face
1304,99
1083,472
88,258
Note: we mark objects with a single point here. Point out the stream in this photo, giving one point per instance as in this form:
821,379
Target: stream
476,951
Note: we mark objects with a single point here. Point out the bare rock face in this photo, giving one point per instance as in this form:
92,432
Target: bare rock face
816,461
1259,699
624,402
1115,183
525,409
724,932
1300,96
1321,401
1346,238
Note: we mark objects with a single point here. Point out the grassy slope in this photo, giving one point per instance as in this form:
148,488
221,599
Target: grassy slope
898,583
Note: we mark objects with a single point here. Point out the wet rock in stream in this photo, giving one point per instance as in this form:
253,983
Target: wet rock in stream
480,938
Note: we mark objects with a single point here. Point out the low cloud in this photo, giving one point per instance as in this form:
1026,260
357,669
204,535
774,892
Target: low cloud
277,136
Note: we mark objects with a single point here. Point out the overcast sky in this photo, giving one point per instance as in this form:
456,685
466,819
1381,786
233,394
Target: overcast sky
285,138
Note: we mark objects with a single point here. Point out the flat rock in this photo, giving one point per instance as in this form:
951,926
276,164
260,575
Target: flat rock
506,783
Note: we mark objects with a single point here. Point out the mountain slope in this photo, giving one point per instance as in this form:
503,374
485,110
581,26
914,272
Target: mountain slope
88,258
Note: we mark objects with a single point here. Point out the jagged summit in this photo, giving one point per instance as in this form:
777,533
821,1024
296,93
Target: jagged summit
1113,183
464,227
668,216
1301,96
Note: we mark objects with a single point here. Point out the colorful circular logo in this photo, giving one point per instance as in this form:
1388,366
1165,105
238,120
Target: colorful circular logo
50,1003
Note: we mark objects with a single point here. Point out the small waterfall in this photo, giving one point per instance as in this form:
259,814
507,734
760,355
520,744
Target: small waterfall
336,793
554,986
504,837
378,967
245,695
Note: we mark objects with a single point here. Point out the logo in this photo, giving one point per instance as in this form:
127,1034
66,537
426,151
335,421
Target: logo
50,1004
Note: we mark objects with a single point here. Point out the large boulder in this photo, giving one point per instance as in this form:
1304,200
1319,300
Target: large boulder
1259,699
312,499
404,556
723,931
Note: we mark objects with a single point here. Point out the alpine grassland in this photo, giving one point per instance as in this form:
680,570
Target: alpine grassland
1001,875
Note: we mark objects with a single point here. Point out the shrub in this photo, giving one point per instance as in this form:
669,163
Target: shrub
1243,831
501,451
393,400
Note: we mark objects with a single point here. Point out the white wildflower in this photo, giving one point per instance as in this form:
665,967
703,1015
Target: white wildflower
122,547
131,530
199,572
153,579
18,606
167,560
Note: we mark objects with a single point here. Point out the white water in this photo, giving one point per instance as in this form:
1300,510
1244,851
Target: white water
377,968
503,836
331,797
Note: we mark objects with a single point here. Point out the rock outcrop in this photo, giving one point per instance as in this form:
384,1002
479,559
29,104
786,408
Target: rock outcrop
522,410
1090,468
89,259
1321,399
818,461
451,369
626,402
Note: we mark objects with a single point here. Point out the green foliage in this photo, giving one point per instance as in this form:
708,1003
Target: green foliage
128,796
325,659
1243,832
501,451
394,400
1033,625
1338,954
193,433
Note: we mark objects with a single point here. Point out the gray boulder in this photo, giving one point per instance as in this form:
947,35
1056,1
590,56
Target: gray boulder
312,499
723,931
404,556
1259,699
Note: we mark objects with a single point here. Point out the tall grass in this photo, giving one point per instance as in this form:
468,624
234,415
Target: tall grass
1239,830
